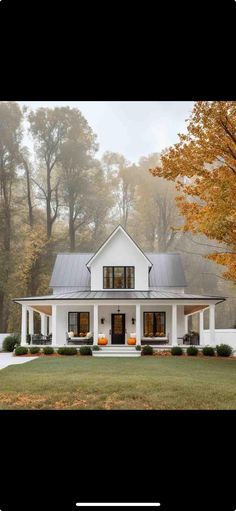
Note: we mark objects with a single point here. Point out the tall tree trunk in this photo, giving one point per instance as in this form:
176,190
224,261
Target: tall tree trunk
48,203
28,184
7,229
2,313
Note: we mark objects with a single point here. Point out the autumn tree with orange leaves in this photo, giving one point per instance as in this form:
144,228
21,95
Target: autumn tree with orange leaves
203,165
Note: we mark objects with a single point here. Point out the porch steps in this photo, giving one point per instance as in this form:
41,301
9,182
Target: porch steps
117,351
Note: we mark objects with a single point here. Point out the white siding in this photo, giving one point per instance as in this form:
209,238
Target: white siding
120,251
62,320
105,311
222,336
167,310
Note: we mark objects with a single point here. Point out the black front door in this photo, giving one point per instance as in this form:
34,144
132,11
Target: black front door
118,328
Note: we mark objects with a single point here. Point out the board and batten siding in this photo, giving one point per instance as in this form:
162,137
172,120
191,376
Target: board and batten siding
120,251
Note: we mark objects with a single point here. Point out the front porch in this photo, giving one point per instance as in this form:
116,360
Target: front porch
160,325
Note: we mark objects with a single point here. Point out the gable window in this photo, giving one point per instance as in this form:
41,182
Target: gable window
154,324
118,277
78,322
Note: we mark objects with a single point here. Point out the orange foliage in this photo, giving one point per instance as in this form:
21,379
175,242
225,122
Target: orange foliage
203,165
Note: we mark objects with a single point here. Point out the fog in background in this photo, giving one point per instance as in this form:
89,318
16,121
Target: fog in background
71,173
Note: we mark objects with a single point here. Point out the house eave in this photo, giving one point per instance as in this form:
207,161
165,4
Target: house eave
119,227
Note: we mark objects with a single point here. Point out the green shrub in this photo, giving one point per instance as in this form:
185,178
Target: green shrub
138,347
21,350
95,347
85,351
10,342
208,351
67,351
224,350
147,350
176,351
192,351
34,349
48,350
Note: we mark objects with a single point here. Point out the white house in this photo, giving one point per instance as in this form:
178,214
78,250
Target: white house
118,293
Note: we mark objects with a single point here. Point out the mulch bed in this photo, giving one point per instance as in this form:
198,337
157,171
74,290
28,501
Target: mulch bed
54,355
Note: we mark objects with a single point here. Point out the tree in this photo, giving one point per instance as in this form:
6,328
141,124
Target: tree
28,175
10,140
76,160
101,204
203,165
122,175
155,211
49,128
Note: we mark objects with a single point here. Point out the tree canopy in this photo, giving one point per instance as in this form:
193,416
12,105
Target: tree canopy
203,165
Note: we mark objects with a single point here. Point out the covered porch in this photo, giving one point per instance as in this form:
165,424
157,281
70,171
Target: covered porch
73,322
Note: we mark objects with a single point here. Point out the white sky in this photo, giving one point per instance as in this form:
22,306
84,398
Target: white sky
132,128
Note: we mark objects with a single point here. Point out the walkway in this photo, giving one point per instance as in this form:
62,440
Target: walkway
7,359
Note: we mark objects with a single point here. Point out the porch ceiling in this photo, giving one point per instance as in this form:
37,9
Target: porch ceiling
46,309
190,309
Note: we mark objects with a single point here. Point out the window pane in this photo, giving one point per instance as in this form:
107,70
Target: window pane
73,323
160,324
84,323
129,277
119,277
107,277
148,324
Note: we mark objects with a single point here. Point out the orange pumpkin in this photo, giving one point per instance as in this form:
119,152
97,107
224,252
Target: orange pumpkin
103,341
131,341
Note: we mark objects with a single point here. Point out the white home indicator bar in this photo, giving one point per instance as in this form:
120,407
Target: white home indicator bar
118,504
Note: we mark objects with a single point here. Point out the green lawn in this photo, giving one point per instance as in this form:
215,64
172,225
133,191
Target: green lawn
143,383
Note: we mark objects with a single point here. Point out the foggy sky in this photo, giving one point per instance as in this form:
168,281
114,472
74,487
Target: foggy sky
132,128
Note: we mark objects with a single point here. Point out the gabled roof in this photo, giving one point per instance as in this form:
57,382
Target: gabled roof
70,271
117,229
167,270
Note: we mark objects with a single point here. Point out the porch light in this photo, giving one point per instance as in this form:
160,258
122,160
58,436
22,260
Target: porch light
133,321
118,310
102,321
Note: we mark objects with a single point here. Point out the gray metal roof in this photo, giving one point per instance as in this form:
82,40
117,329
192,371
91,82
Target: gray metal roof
122,295
70,271
167,270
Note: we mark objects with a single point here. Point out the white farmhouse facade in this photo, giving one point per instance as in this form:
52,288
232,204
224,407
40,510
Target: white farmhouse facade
120,295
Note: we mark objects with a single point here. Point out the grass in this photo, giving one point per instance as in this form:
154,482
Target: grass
120,383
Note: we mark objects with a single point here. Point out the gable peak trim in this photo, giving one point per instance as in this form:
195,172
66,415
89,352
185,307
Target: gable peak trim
117,229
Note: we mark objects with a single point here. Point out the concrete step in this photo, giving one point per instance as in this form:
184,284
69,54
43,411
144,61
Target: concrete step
124,353
120,348
117,351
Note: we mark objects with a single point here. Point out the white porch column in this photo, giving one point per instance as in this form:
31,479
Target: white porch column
212,323
43,318
186,324
138,323
23,324
95,323
201,328
54,324
31,321
50,324
174,325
